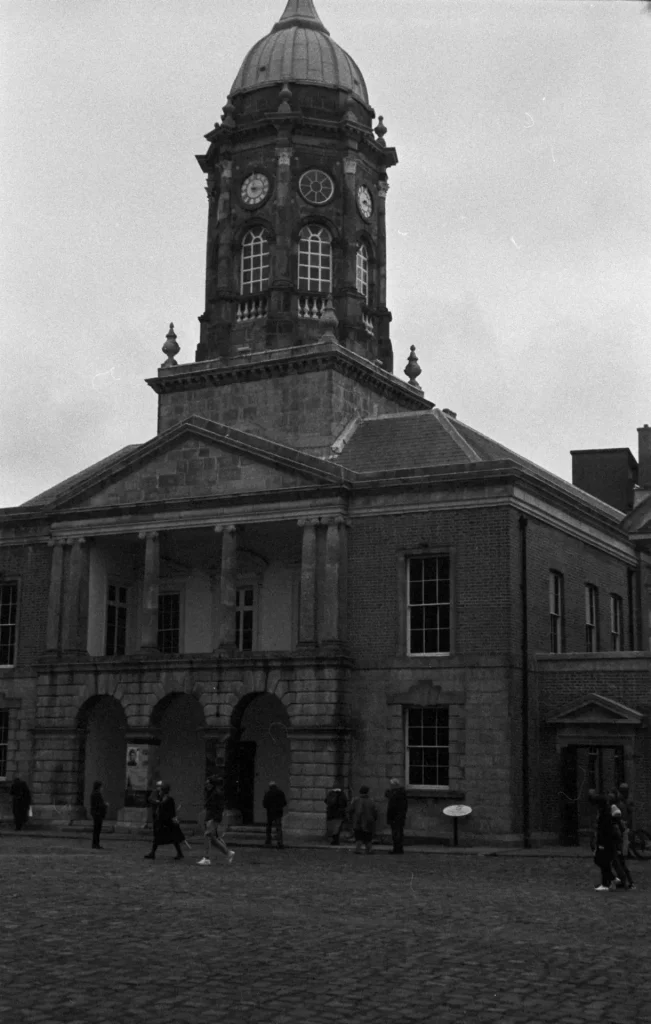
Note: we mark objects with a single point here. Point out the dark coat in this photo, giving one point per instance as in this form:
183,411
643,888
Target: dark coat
607,837
397,805
166,828
274,802
98,805
363,814
336,803
20,794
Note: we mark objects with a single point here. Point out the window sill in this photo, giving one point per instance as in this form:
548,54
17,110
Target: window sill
453,795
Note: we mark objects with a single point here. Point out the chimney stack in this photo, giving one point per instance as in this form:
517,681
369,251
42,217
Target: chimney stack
644,457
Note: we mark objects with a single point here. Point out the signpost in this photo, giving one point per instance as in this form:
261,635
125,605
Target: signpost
456,811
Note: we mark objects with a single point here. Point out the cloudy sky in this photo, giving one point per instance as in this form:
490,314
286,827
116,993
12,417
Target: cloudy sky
519,216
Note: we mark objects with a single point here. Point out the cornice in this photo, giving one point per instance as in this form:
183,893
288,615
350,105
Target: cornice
286,362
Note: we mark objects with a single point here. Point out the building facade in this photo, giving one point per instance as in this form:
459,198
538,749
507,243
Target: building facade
311,573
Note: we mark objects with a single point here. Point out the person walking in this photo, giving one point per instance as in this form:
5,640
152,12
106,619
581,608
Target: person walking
21,802
619,866
364,820
166,826
397,804
606,845
98,809
336,803
213,829
274,803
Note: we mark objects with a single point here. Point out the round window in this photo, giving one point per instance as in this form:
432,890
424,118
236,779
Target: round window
316,186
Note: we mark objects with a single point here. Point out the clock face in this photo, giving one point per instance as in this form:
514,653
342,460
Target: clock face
316,186
364,202
255,189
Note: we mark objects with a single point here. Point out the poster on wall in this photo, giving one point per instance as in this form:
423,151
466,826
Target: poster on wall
137,767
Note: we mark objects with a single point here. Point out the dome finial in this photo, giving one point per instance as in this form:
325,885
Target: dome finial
301,13
380,130
285,95
412,369
171,348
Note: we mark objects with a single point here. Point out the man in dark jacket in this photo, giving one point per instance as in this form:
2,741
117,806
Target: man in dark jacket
214,804
336,803
98,809
363,817
396,814
21,801
166,826
274,803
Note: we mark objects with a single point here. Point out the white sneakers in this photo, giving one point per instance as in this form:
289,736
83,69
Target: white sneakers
205,861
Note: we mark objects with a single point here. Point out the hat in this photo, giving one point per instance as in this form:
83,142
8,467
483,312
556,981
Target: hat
615,811
272,783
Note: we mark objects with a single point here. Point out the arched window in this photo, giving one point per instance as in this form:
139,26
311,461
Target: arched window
315,259
361,276
254,267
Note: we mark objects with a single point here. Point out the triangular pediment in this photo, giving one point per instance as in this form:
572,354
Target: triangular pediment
593,709
195,459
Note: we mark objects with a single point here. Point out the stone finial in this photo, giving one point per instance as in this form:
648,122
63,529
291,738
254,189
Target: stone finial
349,105
380,130
412,369
329,322
171,348
285,95
228,121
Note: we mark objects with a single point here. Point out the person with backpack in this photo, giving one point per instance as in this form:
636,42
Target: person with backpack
336,803
364,820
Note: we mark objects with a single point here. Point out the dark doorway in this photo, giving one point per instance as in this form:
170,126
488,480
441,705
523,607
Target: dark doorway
584,769
240,777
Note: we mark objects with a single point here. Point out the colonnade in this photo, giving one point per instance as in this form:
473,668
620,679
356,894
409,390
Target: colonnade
322,601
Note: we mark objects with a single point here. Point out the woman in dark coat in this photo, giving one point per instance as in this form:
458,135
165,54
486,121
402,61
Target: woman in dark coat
606,845
21,801
166,827
98,809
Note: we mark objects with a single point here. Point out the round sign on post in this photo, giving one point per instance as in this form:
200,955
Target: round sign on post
456,811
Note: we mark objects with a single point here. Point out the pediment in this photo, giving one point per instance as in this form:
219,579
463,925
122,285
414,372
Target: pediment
594,709
195,459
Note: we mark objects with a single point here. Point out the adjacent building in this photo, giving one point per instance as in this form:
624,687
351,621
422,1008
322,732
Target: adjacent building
312,573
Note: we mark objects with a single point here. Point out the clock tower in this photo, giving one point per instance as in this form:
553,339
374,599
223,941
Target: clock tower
297,184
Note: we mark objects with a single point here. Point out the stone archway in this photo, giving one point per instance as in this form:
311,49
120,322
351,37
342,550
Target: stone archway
180,759
258,751
102,726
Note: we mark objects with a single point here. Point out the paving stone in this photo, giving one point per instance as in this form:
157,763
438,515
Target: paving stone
315,936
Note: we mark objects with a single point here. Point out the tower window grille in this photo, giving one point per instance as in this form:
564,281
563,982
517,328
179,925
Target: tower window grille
315,259
254,270
362,271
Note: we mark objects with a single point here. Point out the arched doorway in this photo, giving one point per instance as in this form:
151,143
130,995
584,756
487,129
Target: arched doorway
257,752
179,720
102,726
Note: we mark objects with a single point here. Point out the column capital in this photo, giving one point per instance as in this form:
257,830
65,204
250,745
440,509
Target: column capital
309,521
76,540
146,534
382,189
338,520
54,542
228,528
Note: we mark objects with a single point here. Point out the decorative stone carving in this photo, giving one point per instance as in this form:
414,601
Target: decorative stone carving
284,157
171,348
382,189
412,369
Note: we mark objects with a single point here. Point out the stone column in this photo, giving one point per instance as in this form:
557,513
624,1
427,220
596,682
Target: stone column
75,605
383,315
54,596
307,610
329,599
227,587
149,622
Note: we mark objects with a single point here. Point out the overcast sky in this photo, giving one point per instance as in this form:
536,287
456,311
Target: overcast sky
518,216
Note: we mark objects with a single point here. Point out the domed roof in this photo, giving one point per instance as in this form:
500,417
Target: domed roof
299,49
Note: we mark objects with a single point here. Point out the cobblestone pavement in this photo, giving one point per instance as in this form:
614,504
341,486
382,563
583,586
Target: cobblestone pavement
315,936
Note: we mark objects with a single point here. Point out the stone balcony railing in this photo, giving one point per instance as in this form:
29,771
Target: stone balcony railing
253,308
310,307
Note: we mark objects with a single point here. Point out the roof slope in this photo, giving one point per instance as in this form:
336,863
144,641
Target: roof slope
52,493
431,439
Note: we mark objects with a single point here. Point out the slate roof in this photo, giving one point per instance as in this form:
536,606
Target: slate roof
432,439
